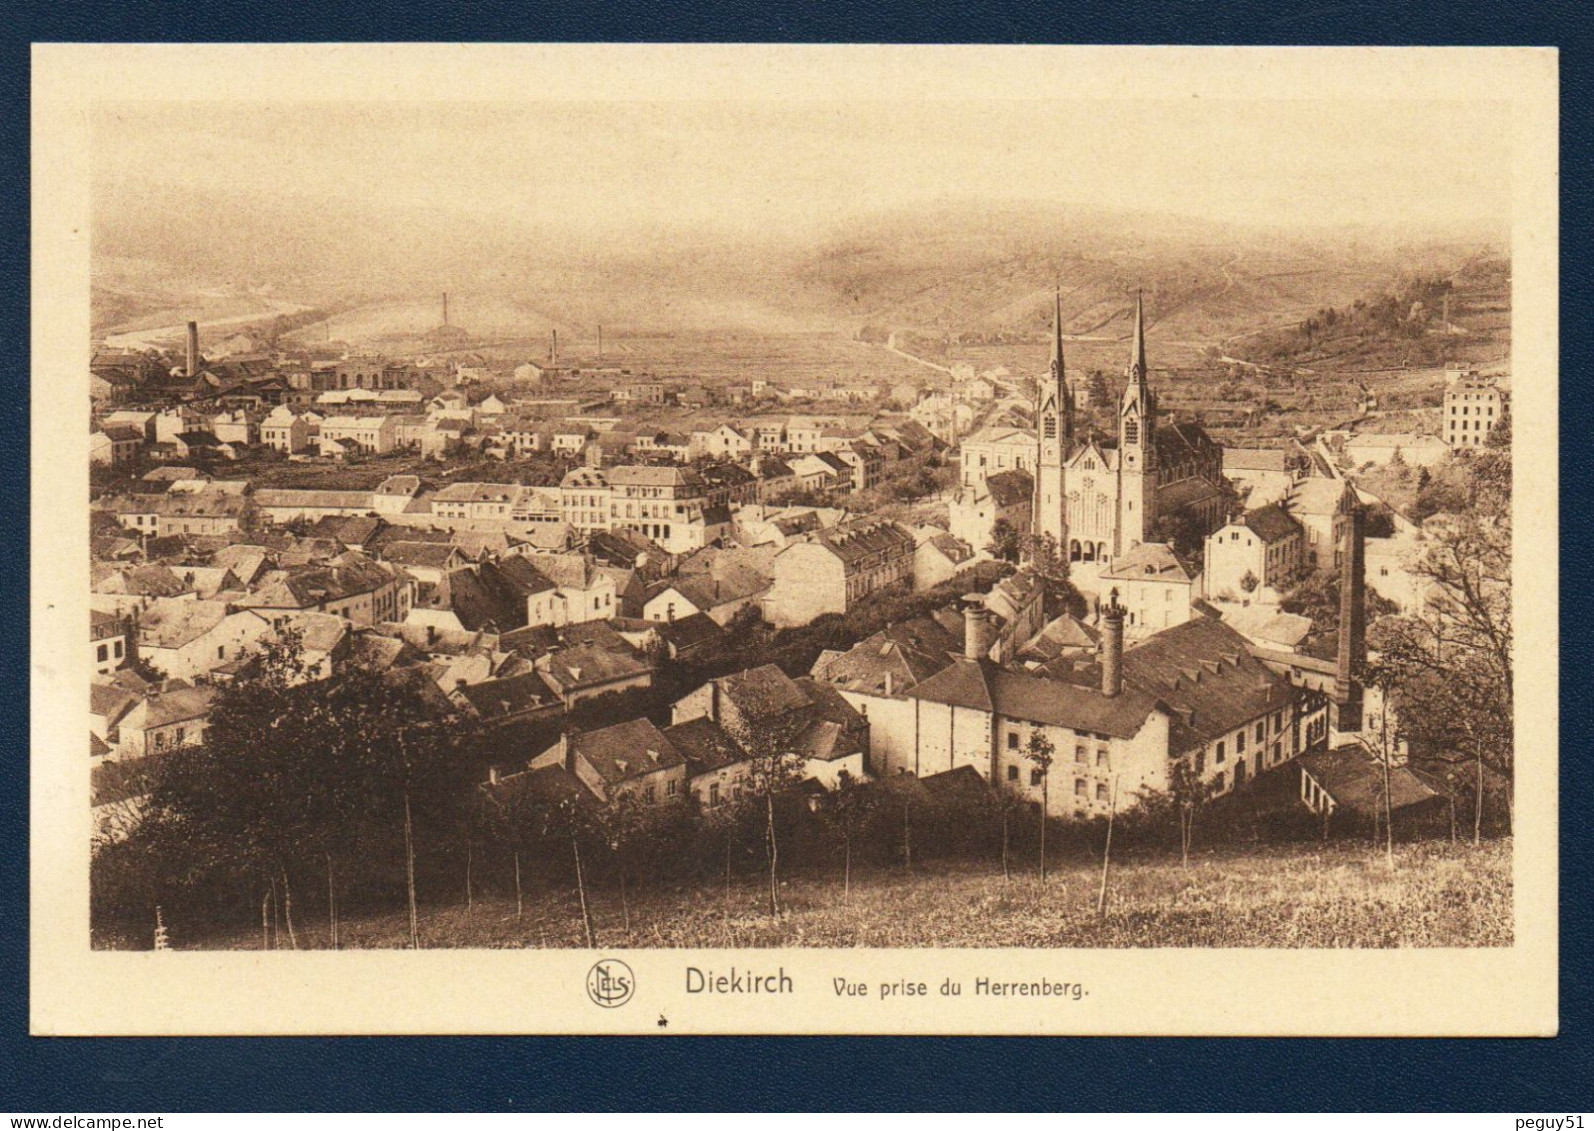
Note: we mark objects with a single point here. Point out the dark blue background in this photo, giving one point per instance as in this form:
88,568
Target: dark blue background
810,1073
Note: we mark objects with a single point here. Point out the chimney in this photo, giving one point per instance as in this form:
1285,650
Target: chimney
600,341
553,349
1352,626
445,308
193,349
890,684
977,635
1112,647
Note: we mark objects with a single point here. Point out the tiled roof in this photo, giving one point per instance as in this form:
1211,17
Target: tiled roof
174,623
1255,459
627,750
763,692
1204,671
1355,779
1271,523
495,699
704,745
1155,560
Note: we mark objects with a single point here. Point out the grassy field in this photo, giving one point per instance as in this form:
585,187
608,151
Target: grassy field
1340,895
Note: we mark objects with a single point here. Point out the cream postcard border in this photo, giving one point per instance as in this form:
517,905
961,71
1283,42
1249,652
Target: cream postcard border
78,991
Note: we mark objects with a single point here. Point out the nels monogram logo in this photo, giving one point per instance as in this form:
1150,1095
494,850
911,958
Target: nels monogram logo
610,983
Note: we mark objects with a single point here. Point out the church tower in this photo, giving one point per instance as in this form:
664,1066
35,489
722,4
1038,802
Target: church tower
1137,445
1054,427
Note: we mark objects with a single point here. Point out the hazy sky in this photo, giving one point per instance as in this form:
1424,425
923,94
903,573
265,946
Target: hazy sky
613,167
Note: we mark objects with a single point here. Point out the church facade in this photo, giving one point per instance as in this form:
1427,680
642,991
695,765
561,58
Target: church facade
1100,498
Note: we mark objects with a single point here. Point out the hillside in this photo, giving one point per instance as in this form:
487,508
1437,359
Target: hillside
950,270
1338,895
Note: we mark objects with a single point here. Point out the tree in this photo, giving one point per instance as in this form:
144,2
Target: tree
773,744
298,779
1040,753
846,810
1449,669
1188,793
1096,387
1006,543
1249,582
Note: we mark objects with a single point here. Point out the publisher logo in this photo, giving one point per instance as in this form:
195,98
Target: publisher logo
610,983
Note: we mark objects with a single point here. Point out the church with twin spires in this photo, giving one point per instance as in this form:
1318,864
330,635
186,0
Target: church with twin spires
1099,498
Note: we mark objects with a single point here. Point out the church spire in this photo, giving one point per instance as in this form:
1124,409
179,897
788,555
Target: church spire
1065,395
1057,334
1137,343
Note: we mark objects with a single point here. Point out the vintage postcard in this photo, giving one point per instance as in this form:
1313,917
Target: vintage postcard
774,539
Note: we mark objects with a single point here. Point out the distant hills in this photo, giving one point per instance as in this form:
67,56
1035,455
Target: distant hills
161,256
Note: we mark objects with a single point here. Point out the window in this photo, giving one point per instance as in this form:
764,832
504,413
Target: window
1217,782
1239,743
1035,776
1261,730
714,793
1081,788
1101,757
670,787
1012,773
221,652
1219,758
1081,755
1012,736
100,652
1101,791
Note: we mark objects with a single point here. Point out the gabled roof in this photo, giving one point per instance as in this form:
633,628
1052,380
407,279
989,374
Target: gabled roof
1271,524
763,692
176,705
962,683
1355,780
174,623
1053,702
496,699
1205,673
627,750
704,744
1155,561
586,665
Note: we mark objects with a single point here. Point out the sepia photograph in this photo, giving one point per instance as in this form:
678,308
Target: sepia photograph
531,518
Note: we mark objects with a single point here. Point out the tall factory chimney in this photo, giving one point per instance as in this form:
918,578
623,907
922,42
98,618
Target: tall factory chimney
1112,647
977,634
1352,654
192,368
600,341
445,308
553,349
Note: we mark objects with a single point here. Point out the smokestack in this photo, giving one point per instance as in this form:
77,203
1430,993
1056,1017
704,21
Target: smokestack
553,348
193,349
976,628
600,341
445,308
1352,625
1112,647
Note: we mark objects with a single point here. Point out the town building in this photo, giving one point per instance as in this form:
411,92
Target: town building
830,571
1474,405
1257,556
1154,587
